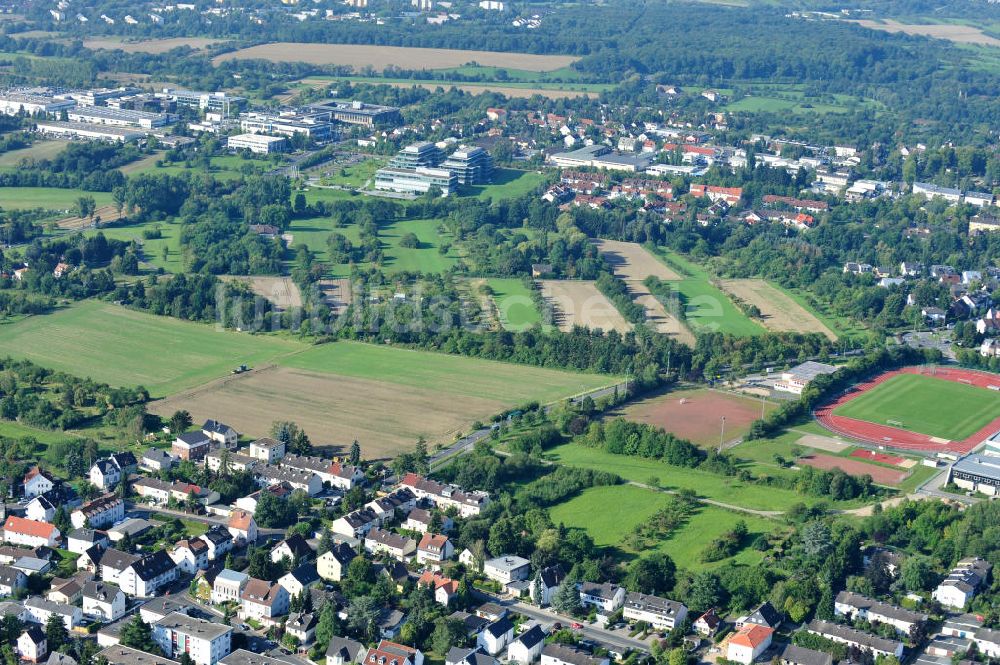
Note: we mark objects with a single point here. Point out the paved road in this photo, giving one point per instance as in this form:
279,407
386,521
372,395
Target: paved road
548,617
212,520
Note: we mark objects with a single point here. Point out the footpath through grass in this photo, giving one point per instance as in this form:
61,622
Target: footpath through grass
927,405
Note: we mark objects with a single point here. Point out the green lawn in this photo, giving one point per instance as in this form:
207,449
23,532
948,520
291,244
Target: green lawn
632,505
48,198
125,348
14,430
706,485
152,250
927,405
314,231
224,167
513,300
507,184
425,257
708,309
37,150
445,373
355,175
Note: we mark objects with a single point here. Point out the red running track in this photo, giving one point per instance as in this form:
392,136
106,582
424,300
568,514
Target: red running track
894,437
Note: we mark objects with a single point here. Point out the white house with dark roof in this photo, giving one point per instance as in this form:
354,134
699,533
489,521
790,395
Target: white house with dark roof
496,635
40,509
156,460
148,575
39,610
961,584
527,647
302,626
877,646
11,580
206,642
105,474
308,482
660,613
220,433
546,584
101,512
333,564
606,597
190,555
219,541
103,600
32,645
270,451
37,481
854,605
80,540
300,579
399,547
344,651
561,654
468,504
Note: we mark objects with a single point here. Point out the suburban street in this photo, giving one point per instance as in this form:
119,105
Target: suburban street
212,520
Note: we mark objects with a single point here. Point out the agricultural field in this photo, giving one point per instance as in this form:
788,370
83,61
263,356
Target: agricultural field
635,505
339,392
102,214
706,307
579,303
281,292
426,257
514,303
924,404
123,347
152,46
779,311
696,415
531,83
380,57
47,198
953,32
37,150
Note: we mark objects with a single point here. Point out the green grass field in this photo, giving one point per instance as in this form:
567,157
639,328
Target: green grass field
707,485
224,167
930,406
47,198
589,511
708,308
152,250
15,430
514,302
423,258
126,348
313,232
37,150
841,326
445,373
507,184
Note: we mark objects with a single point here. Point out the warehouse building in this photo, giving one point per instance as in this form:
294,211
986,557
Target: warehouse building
89,132
101,115
12,103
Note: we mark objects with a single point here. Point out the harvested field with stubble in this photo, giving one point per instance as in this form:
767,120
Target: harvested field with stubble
152,46
106,213
380,57
384,417
780,312
960,34
579,303
281,292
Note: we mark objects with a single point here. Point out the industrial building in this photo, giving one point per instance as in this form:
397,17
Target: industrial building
471,165
314,126
81,130
215,102
101,96
100,115
359,113
417,180
13,102
258,143
602,157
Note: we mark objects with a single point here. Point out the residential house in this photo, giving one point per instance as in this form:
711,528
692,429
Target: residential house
112,563
660,613
40,509
293,548
190,555
105,474
546,584
399,547
958,588
21,531
103,600
11,580
390,623
220,434
81,540
32,645
40,610
268,450
157,608
421,519
334,473
390,506
333,564
564,654
495,637
37,481
507,569
205,642
264,601
444,588
228,586
302,626
146,576
155,460
793,654
308,482
101,512
67,591
731,195
606,597
356,524
708,623
219,541
749,642
242,527
854,606
876,646
390,653
434,548
191,446
465,656
468,504
344,651
762,615
300,579
527,647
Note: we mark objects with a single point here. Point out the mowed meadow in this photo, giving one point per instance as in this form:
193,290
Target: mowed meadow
384,396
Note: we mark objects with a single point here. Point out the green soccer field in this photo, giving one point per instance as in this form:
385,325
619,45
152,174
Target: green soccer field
927,405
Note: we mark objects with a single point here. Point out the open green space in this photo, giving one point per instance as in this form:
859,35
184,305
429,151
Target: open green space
124,347
37,150
633,505
707,485
313,233
152,249
507,184
354,176
514,303
223,167
47,198
840,325
538,84
927,405
426,256
445,373
707,308
14,430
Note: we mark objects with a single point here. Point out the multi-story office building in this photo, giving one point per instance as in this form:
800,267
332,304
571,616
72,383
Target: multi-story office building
359,113
258,143
471,165
418,180
413,156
